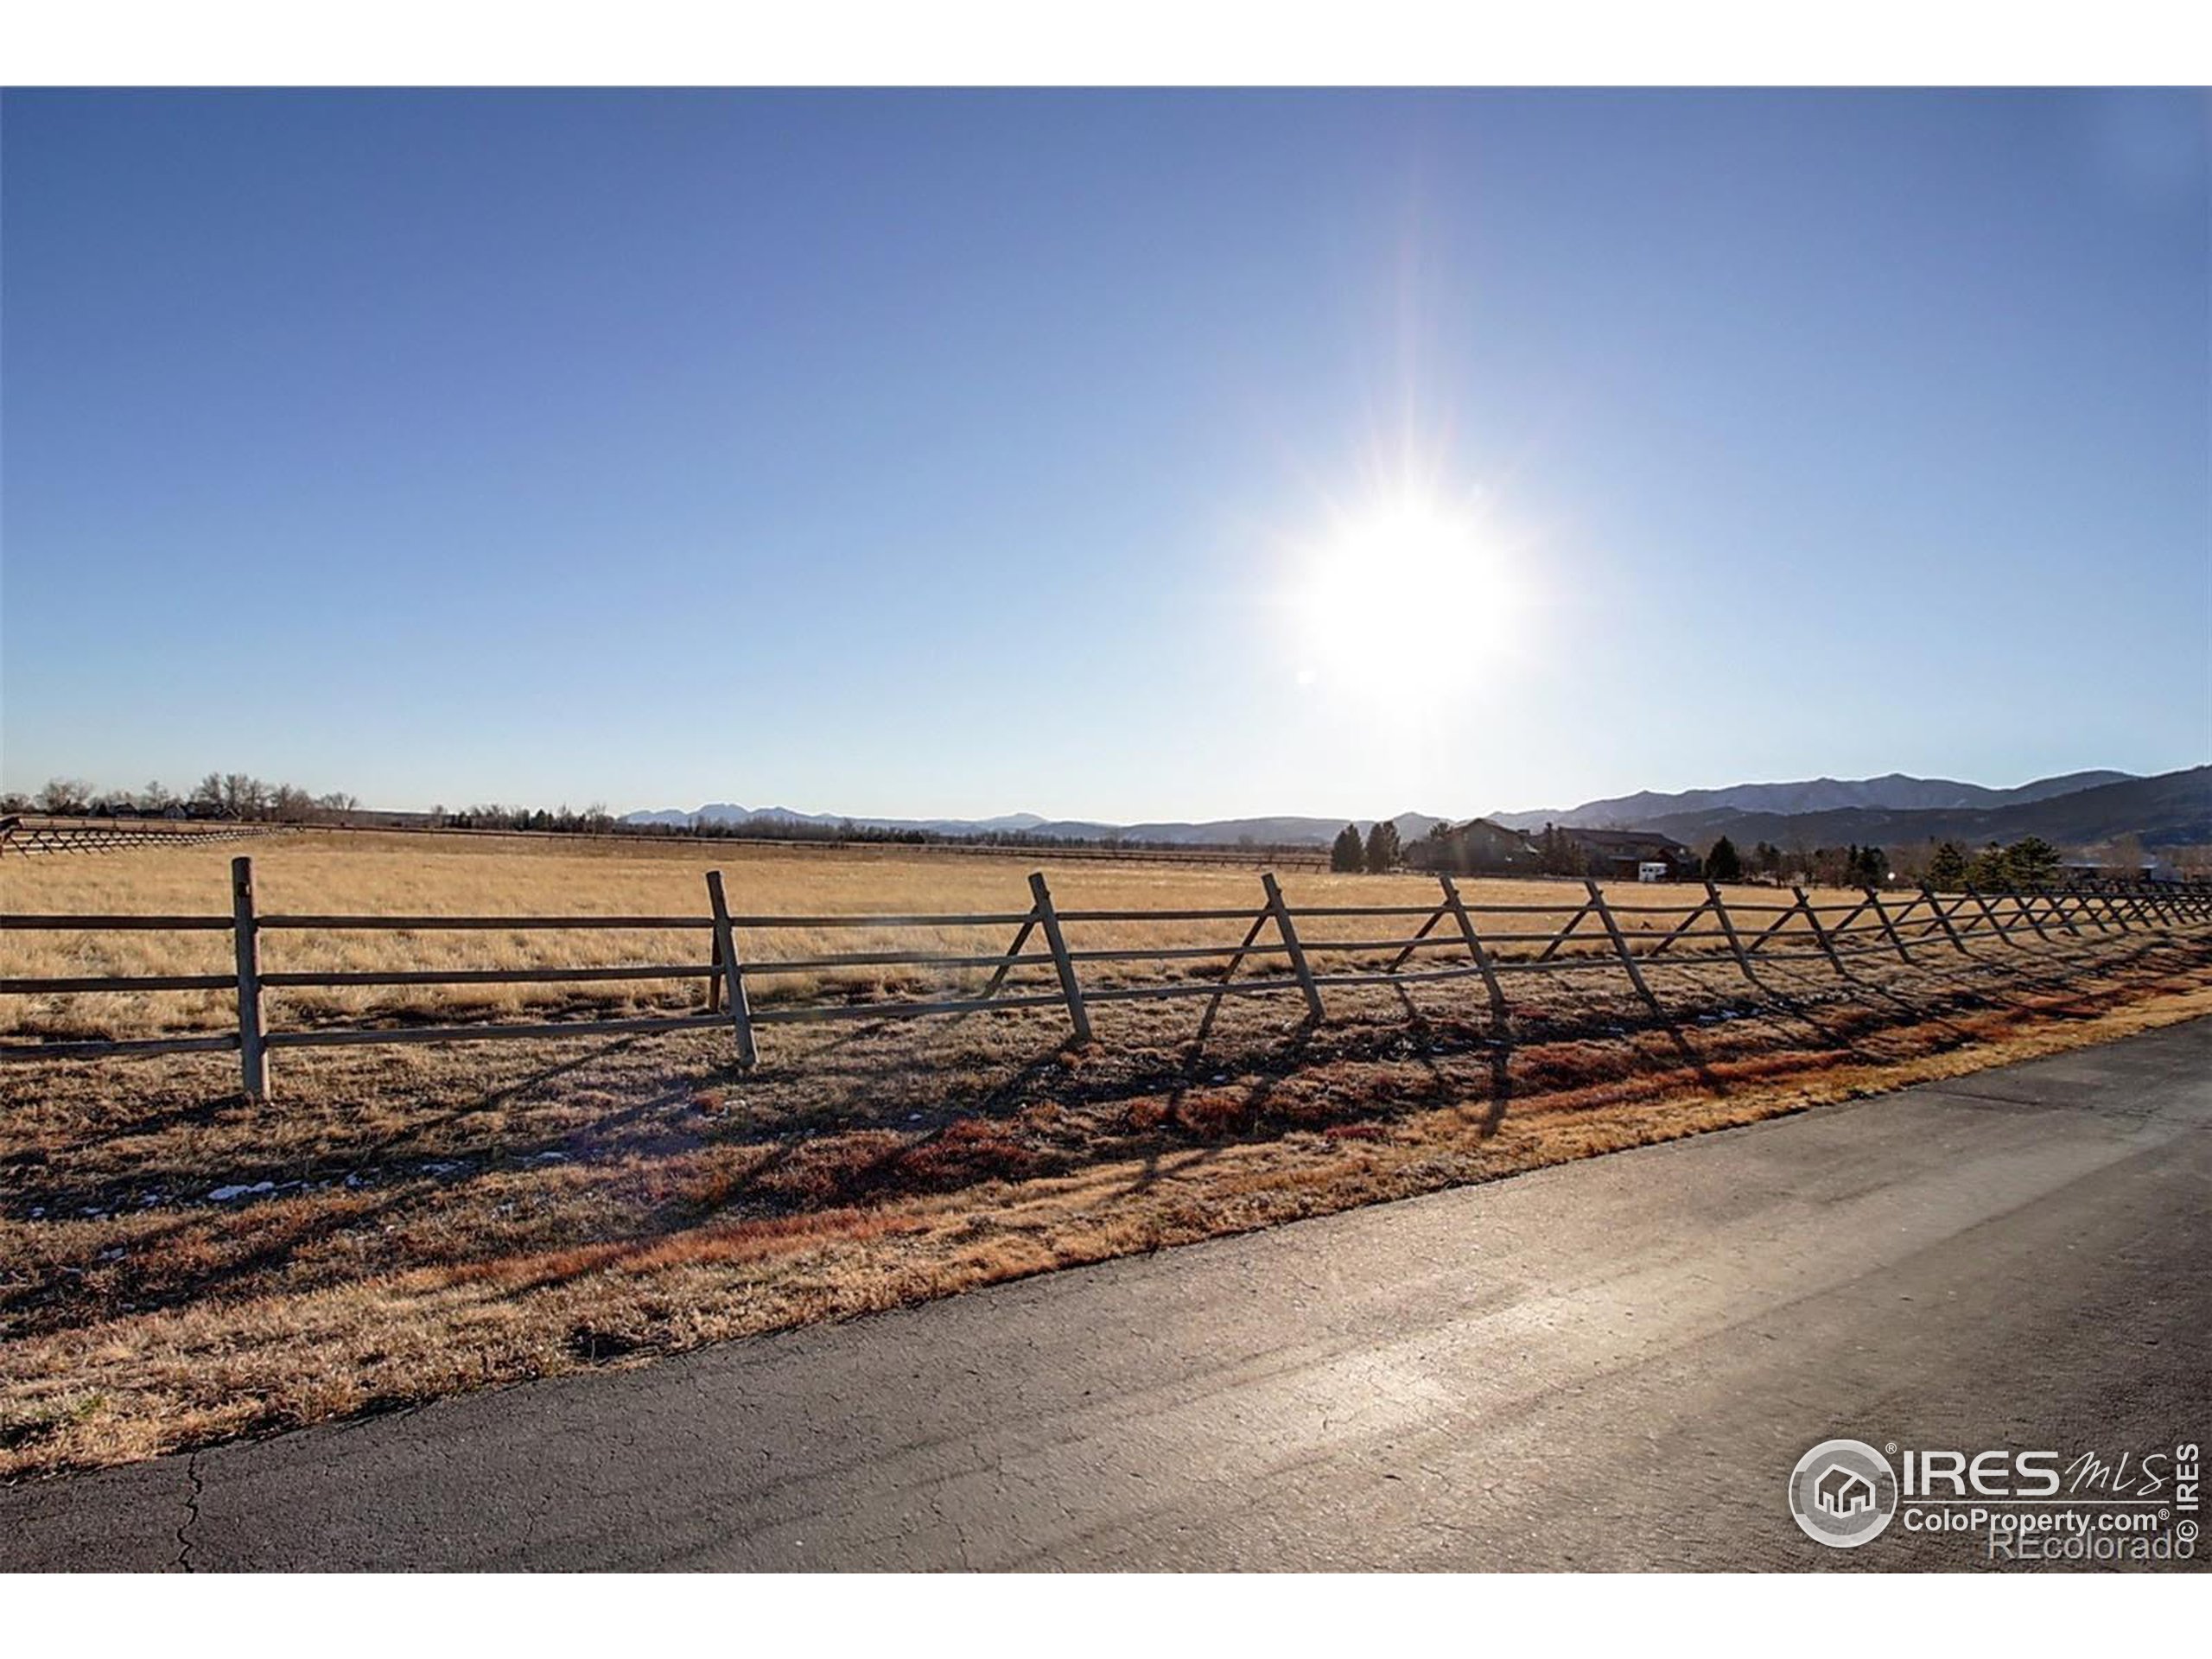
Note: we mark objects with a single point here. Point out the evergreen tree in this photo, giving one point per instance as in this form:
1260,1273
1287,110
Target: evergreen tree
1382,847
2035,862
2029,863
1557,855
1947,871
1723,863
1346,856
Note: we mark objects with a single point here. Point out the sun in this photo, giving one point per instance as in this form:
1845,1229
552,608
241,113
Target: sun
1411,593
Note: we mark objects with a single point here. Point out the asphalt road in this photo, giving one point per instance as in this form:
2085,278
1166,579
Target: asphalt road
1612,1364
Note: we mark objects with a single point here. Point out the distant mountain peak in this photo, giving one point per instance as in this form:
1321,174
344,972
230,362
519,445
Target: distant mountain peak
1884,809
1895,791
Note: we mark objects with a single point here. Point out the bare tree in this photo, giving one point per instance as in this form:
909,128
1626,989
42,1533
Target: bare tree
289,804
243,795
65,795
2126,854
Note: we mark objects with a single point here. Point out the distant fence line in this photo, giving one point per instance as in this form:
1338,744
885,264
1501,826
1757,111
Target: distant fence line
20,836
1744,934
24,838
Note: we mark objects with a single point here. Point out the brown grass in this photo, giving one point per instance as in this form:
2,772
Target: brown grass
330,873
418,1222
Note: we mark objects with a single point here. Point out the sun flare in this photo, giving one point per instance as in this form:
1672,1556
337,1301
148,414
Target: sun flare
1413,592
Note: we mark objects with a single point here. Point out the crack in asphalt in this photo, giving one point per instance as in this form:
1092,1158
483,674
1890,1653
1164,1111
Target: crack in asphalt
183,1563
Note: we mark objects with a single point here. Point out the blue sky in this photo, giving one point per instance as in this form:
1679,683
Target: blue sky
931,454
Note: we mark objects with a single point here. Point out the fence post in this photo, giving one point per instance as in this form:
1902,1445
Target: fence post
1213,1003
2058,913
1620,945
1874,897
1560,937
1049,919
1944,917
253,1053
1281,912
741,1007
2159,907
1021,938
1459,910
2003,932
1728,927
1682,927
1427,927
1820,933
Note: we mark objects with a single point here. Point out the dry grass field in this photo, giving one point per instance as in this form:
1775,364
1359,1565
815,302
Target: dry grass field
329,873
179,1265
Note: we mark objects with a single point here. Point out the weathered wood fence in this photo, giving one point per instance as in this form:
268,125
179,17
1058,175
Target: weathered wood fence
23,835
20,837
1743,935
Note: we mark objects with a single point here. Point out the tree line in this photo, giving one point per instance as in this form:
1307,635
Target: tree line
219,794
1852,865
2030,862
1376,854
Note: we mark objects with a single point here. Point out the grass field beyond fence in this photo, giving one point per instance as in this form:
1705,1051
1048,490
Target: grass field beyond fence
358,942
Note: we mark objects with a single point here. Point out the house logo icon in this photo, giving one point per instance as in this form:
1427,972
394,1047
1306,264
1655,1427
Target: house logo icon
1843,1494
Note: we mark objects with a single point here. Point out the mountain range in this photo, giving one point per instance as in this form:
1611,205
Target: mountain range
2171,809
2078,809
1285,831
1894,794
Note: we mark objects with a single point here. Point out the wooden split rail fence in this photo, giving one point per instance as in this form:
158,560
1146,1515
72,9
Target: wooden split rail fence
18,838
1741,934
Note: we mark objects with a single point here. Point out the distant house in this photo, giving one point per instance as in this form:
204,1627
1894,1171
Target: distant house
1622,855
1475,848
2090,872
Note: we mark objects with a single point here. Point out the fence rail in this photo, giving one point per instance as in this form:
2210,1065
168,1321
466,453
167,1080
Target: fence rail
22,838
1745,935
19,835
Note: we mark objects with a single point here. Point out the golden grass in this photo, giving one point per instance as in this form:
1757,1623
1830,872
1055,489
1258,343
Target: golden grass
334,872
437,1220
